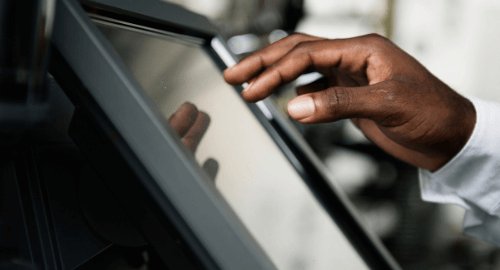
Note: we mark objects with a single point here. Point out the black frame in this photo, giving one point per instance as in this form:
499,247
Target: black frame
79,46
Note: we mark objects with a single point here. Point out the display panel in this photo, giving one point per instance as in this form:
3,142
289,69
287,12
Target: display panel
248,168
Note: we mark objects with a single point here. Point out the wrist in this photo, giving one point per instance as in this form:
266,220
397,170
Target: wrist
460,130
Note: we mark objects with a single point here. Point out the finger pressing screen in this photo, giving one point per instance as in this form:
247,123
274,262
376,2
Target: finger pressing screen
360,59
307,56
254,64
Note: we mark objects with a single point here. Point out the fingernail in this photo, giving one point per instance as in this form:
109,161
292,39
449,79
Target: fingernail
301,107
248,87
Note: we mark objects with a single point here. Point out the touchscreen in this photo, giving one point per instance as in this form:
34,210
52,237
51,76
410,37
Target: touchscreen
248,168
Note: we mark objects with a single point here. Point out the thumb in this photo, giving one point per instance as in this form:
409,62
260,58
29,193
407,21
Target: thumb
335,103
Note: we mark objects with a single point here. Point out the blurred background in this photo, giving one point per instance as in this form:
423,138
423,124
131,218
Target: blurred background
455,39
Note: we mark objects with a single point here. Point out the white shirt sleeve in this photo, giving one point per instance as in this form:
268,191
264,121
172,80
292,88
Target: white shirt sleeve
472,178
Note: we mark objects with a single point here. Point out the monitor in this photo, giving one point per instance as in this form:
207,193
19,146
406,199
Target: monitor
234,182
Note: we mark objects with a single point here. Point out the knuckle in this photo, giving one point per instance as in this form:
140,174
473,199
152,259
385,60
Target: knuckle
375,36
295,37
377,40
304,48
338,100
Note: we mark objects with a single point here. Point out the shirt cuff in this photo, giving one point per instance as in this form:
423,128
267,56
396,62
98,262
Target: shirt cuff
472,178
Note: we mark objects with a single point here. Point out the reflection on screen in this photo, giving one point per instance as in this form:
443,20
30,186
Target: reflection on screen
249,169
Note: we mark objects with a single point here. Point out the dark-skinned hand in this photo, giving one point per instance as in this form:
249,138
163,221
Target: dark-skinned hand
191,124
395,101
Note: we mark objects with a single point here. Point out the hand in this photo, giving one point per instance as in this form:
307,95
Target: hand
390,97
191,124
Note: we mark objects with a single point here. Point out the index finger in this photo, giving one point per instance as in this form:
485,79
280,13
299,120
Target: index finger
252,65
353,56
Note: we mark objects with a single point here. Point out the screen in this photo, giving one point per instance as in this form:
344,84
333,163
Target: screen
229,143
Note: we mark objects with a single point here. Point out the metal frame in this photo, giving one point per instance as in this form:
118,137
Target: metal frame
177,187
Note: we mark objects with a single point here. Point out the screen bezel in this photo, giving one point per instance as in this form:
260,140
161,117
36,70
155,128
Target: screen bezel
191,28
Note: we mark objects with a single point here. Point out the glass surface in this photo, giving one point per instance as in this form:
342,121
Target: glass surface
249,169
